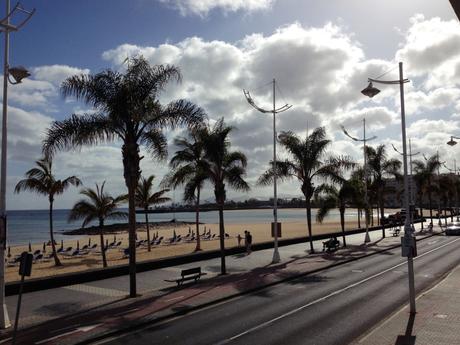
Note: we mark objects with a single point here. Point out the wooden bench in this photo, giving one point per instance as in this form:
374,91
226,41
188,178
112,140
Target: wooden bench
331,245
187,274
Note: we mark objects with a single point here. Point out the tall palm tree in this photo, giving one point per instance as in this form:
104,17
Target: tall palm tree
187,169
357,183
99,206
336,198
41,180
222,167
145,198
381,167
308,163
127,109
425,172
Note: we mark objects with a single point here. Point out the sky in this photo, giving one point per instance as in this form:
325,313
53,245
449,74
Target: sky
320,52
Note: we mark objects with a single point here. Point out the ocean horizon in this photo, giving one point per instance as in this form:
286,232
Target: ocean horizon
26,226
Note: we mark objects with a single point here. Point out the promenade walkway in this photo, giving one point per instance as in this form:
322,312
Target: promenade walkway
74,313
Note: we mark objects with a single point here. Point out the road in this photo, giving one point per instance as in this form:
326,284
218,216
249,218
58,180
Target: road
333,306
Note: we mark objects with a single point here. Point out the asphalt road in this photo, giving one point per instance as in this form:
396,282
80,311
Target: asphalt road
333,306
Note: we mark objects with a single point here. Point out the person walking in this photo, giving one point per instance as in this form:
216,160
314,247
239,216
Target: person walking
239,238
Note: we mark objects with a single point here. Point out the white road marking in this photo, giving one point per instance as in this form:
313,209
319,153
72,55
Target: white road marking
79,329
357,271
337,292
173,299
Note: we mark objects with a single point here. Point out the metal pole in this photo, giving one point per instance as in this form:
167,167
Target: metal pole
439,192
456,189
408,236
4,319
367,238
276,255
411,194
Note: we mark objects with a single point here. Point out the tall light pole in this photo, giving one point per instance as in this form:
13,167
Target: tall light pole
411,192
367,238
17,73
452,142
274,111
408,243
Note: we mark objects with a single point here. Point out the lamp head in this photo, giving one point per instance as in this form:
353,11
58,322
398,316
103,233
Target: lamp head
18,73
451,142
370,91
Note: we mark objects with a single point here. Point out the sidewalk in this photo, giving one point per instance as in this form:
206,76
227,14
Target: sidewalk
436,321
98,308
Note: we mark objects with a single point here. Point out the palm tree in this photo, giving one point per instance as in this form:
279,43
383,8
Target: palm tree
127,109
222,167
424,173
145,198
308,163
187,170
357,182
41,180
99,206
381,167
336,198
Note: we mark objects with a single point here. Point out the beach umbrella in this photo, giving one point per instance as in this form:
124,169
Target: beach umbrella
78,245
30,247
9,251
44,247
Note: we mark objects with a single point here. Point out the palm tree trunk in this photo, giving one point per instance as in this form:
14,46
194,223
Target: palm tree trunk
223,269
197,220
149,248
131,173
103,249
382,214
430,205
421,213
57,262
308,210
359,218
342,224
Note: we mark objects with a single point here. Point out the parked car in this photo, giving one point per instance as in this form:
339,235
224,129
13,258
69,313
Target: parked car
453,229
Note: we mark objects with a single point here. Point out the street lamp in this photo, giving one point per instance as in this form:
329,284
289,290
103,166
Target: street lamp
408,242
17,73
411,194
367,239
274,111
452,142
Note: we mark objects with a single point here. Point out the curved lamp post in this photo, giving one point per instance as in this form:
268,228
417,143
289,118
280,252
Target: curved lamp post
367,239
408,243
411,192
274,111
17,74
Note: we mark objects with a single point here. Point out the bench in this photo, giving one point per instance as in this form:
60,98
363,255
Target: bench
187,274
331,245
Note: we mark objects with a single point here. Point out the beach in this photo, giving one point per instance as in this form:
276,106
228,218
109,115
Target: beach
260,233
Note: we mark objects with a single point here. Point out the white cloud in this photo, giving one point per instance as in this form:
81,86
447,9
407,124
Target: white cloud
56,74
203,7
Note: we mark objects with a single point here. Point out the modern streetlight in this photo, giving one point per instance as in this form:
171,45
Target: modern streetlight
408,243
455,171
411,192
452,142
17,73
367,238
274,111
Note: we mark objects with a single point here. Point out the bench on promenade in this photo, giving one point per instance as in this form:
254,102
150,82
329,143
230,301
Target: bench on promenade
187,274
331,245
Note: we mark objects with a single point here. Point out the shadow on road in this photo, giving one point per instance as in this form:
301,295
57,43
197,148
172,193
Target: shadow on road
408,338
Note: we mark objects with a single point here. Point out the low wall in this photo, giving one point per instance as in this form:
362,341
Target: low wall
36,284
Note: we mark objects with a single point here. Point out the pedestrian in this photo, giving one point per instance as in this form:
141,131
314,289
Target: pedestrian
246,240
248,249
239,238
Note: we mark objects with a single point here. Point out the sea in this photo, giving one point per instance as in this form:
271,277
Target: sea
26,226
